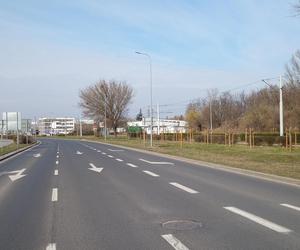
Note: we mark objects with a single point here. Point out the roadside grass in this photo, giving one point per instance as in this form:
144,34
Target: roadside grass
10,148
271,160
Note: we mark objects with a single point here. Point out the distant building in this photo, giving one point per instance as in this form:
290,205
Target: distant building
160,126
56,126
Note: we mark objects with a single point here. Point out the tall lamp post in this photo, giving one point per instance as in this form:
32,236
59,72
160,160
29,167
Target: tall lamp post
151,110
280,104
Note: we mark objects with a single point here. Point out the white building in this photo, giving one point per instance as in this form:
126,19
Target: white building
56,126
160,126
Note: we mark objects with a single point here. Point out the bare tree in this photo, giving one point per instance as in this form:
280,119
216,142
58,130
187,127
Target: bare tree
293,69
297,8
110,95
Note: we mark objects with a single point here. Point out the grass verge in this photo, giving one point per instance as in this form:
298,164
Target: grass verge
10,148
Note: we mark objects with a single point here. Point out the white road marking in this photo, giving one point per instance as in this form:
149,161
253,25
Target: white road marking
110,156
94,149
131,165
57,156
51,246
78,152
56,162
187,189
259,220
56,172
116,150
119,159
94,168
37,155
54,194
99,151
157,162
57,152
151,173
290,206
103,153
18,174
174,242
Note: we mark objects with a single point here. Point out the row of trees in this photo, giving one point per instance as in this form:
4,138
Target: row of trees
258,109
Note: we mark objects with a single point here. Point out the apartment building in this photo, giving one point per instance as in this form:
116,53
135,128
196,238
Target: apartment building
56,126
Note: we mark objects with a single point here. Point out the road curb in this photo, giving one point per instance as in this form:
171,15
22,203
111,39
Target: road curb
7,156
250,173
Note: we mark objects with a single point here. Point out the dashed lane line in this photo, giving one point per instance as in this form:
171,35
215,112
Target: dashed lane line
131,165
110,156
118,159
290,206
184,188
174,242
56,172
151,173
54,194
259,220
56,162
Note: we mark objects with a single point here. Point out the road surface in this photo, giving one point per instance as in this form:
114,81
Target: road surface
67,194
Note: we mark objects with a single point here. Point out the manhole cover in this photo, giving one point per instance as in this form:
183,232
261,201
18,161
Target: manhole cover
181,225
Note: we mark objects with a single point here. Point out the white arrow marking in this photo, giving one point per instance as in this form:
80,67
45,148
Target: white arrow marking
157,162
18,174
94,168
78,152
36,155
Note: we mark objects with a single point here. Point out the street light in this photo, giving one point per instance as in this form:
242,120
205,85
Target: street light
280,104
151,114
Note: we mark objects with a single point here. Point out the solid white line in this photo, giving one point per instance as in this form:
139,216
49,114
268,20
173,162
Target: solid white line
119,159
157,162
174,242
116,150
56,162
151,173
56,172
189,190
259,220
110,156
290,206
54,194
131,165
51,246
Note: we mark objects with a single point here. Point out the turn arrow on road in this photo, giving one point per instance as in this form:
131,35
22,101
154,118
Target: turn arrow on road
94,168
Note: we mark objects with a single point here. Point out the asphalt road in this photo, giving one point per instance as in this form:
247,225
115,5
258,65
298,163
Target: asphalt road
83,195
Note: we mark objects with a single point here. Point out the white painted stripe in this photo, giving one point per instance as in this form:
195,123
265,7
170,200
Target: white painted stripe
290,206
99,151
151,173
94,149
54,194
57,152
51,246
189,190
131,165
259,220
119,159
174,242
56,172
103,153
157,162
116,150
92,165
110,156
57,156
56,162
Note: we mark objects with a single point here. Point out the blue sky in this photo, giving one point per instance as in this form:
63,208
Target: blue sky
51,49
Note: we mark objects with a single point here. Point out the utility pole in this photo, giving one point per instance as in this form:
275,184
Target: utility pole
18,142
210,116
158,121
280,106
80,127
105,100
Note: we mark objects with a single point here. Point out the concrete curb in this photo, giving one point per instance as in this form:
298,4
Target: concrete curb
250,173
16,152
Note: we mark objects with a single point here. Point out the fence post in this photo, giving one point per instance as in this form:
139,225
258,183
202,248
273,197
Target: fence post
290,139
250,138
286,139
